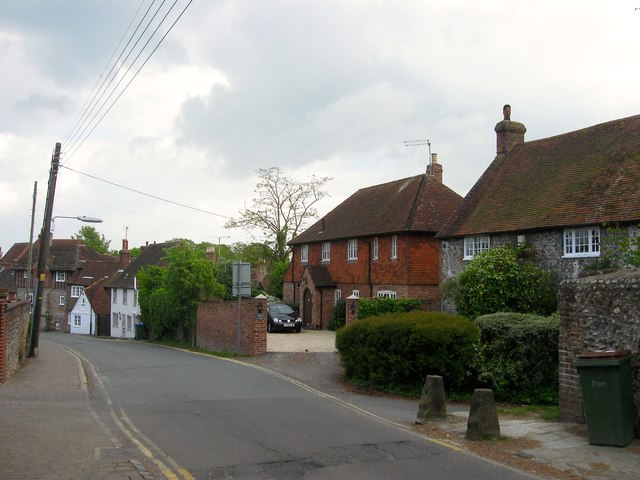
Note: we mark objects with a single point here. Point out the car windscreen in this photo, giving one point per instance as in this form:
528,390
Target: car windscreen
284,309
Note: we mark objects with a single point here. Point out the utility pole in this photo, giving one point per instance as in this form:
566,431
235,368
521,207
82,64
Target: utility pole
43,253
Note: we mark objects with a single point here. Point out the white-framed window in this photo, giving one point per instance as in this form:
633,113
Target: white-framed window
61,276
337,296
135,298
25,274
475,245
114,294
114,320
326,251
352,249
356,293
582,242
387,294
304,253
375,248
77,321
394,247
31,298
129,323
76,291
61,300
124,296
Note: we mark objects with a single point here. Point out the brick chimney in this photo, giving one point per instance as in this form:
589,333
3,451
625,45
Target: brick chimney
509,133
434,169
125,254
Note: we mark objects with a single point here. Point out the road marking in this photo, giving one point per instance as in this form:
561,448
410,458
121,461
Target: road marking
178,472
328,396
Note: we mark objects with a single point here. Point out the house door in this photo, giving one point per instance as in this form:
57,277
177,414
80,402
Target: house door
307,308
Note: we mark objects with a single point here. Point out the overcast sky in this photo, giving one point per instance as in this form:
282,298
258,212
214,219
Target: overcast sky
331,88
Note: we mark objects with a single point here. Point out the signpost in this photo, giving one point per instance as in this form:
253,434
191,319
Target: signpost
241,287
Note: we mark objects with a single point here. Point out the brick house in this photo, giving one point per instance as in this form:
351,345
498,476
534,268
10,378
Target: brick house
68,263
380,242
557,194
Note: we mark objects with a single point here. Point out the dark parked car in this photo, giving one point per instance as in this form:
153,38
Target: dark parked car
282,317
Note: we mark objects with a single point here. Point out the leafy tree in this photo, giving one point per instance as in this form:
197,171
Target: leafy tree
93,239
169,296
280,209
503,279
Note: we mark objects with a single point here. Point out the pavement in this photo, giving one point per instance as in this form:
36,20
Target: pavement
50,428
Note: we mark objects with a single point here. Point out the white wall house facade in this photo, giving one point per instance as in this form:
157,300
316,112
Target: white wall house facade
82,319
125,312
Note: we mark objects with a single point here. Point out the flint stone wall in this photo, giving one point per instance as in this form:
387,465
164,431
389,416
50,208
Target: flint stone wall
597,313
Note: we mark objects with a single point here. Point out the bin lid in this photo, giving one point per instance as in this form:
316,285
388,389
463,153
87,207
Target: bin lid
604,355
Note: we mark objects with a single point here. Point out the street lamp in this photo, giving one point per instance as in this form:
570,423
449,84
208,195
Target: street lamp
82,218
43,253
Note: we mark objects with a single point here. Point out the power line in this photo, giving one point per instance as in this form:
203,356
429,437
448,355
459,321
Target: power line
145,194
68,157
94,92
168,220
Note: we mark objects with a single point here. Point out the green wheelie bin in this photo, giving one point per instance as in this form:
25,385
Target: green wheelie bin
607,394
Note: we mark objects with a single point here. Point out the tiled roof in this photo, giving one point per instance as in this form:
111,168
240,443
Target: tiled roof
320,276
590,176
16,251
413,204
92,271
149,255
98,297
64,255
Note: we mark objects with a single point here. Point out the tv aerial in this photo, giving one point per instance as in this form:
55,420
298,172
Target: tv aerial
418,143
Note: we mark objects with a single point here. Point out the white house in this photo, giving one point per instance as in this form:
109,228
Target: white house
82,319
123,291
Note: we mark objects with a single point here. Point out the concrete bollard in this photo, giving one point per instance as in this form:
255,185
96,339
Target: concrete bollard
433,403
483,416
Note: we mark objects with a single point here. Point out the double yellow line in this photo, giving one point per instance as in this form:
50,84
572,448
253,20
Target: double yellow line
165,464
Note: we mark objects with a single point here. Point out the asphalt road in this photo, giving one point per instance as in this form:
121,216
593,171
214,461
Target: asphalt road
209,418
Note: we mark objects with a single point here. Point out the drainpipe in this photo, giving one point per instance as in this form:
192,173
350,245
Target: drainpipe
369,267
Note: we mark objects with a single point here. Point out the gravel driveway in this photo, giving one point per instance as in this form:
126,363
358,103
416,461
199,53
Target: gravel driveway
305,341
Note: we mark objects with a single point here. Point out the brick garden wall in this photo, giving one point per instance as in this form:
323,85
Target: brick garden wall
217,326
597,313
14,322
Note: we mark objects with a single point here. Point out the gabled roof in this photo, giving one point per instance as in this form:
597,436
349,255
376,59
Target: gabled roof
64,255
149,255
413,204
98,297
590,176
16,251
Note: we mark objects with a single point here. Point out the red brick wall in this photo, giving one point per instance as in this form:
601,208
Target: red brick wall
14,321
217,326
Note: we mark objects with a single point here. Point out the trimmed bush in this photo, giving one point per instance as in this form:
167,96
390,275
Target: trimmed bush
339,317
503,279
397,351
374,307
519,356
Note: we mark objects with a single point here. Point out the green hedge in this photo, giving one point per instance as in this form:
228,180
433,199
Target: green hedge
397,351
374,307
519,356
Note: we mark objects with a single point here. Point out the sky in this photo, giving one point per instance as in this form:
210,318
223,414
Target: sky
331,88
